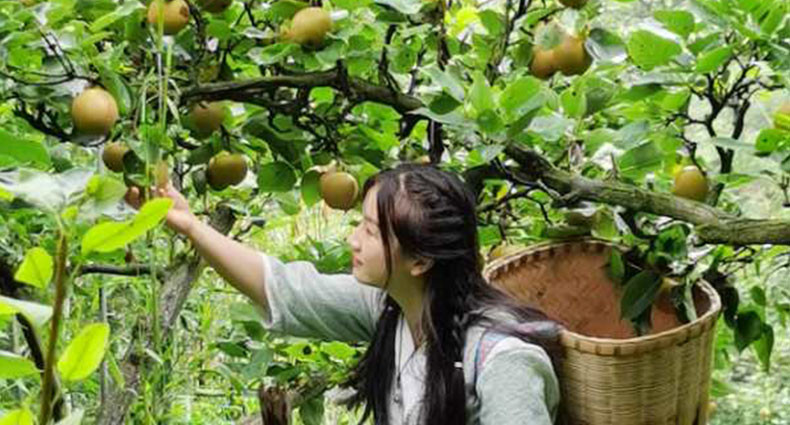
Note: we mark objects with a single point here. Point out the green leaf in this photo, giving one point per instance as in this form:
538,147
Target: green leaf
678,21
574,102
607,46
14,366
407,7
764,346
758,295
338,349
771,23
36,268
286,9
447,81
117,88
639,294
110,18
616,268
106,237
640,160
104,192
518,93
21,416
489,122
310,187
649,50
768,140
748,328
84,353
480,94
38,314
272,54
443,104
712,60
23,151
276,177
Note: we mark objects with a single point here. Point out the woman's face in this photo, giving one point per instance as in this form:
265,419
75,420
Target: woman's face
367,247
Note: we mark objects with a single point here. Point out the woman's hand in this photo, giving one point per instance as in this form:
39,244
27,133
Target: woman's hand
179,218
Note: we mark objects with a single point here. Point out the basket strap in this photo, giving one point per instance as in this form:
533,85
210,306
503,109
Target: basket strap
484,346
491,337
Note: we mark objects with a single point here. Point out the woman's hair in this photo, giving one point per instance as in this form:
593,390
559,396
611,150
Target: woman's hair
432,213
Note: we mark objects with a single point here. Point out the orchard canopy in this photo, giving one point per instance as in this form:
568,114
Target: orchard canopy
660,125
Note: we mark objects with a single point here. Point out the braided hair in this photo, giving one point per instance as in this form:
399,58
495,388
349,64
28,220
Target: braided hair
432,213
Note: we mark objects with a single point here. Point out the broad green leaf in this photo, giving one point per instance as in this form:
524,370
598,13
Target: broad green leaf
104,192
678,21
110,18
764,346
639,294
286,9
272,54
606,46
38,314
276,177
407,7
309,187
117,88
14,366
616,267
638,161
768,140
21,416
518,93
338,349
771,23
84,353
758,295
712,60
443,104
36,268
481,95
75,418
23,150
574,102
289,202
106,237
50,192
447,81
748,328
490,122
649,50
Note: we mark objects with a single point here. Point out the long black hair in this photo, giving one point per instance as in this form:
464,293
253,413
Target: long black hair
432,213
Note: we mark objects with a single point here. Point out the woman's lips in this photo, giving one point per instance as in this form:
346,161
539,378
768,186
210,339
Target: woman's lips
356,261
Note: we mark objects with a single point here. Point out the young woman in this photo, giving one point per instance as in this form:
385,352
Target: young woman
445,347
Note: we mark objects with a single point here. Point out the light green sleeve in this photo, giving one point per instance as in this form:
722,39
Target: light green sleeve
304,302
518,386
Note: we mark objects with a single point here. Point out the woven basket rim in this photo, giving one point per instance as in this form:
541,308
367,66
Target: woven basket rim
612,345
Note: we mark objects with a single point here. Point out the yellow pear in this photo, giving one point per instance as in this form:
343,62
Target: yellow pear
176,15
94,111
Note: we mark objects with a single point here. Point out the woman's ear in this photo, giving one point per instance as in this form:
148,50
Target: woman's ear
419,266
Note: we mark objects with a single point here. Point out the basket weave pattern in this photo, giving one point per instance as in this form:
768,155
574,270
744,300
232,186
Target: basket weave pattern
610,376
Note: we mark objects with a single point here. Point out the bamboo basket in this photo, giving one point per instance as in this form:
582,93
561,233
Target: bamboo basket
609,376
